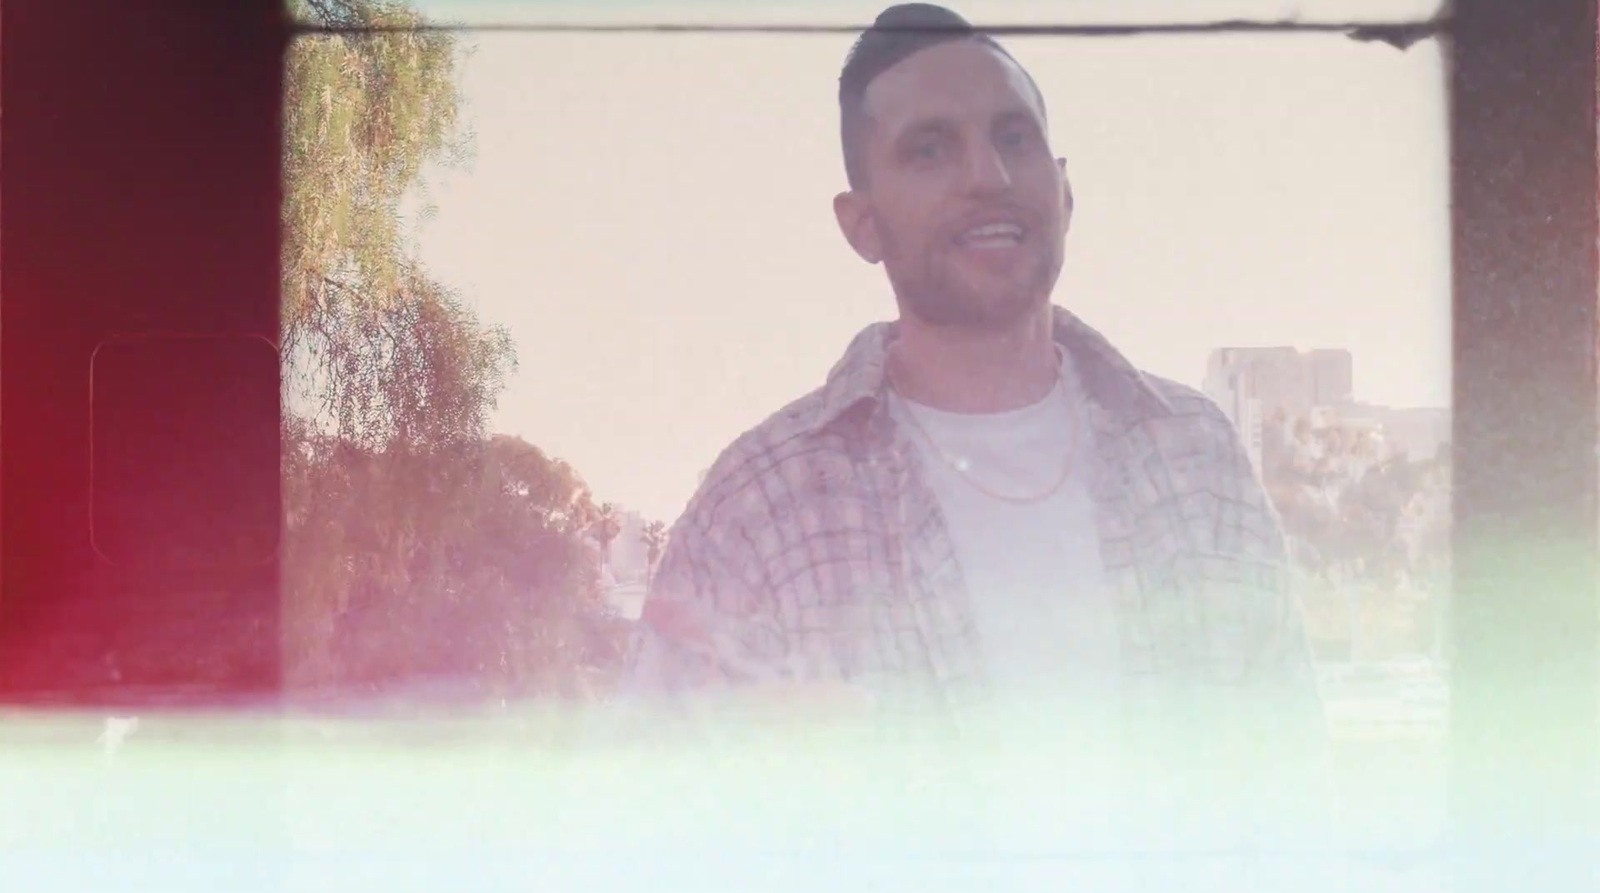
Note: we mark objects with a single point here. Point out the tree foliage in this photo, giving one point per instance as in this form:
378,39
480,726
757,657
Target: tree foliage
416,546
460,563
1370,531
654,537
605,528
1354,512
366,114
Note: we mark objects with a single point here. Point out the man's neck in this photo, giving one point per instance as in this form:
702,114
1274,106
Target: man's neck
958,369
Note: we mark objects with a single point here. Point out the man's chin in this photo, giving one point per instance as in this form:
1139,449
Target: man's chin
993,313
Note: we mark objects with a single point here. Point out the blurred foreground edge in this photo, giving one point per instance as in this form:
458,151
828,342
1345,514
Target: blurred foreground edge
140,195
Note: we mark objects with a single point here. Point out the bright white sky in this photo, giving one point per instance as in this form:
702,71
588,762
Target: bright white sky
649,215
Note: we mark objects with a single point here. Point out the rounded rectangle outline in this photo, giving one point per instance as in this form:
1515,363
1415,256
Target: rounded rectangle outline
94,545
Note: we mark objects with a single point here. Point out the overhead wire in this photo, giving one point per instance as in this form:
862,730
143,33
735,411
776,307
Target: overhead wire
1400,35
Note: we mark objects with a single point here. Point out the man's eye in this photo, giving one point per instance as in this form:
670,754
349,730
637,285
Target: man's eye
927,150
1013,139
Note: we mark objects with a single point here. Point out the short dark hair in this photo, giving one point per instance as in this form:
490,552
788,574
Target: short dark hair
898,33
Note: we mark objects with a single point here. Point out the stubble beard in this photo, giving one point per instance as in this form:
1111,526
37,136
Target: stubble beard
937,296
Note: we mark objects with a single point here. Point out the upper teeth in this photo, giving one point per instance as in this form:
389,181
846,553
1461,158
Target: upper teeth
989,230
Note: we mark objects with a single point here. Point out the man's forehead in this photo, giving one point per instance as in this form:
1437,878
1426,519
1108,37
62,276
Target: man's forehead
961,76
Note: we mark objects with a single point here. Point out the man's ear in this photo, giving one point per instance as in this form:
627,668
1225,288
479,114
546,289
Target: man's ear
859,226
1066,195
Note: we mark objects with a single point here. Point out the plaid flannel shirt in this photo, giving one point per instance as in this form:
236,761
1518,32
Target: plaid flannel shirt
815,551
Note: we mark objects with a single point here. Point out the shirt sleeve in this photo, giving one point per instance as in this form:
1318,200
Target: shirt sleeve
707,627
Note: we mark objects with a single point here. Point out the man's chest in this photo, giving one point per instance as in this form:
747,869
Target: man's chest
1031,574
869,580
878,571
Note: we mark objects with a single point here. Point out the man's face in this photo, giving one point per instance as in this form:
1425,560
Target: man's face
963,201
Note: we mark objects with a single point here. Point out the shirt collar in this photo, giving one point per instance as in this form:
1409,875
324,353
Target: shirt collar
857,383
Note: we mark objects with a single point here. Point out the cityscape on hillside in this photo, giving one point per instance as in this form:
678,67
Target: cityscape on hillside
1255,385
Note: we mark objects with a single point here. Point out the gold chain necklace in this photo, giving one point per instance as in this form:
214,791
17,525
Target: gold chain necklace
956,465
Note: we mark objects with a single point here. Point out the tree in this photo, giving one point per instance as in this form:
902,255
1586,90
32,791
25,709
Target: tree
497,589
365,115
367,338
415,545
607,526
654,538
1339,499
1357,519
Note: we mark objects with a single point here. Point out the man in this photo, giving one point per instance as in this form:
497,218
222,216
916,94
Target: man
986,504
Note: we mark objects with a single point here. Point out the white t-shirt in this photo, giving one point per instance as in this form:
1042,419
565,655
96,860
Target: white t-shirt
1043,611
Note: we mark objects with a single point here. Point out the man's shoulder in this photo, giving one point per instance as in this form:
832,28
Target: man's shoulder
1196,427
1205,453
1193,413
1187,402
764,468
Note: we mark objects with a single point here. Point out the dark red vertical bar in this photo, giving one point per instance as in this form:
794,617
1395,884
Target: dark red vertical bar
140,194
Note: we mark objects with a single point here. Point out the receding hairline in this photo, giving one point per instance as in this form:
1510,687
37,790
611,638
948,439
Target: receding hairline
857,121
983,41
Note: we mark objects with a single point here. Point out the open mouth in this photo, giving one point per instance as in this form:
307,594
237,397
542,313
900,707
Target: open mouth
991,236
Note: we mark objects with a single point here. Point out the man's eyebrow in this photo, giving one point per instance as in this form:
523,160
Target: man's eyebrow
1018,113
926,124
946,124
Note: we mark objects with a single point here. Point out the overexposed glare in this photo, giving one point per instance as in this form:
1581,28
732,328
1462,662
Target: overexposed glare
650,217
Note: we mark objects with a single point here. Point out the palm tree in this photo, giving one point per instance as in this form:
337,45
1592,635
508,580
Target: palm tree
654,538
607,527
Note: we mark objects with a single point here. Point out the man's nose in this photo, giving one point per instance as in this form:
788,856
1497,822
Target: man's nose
986,170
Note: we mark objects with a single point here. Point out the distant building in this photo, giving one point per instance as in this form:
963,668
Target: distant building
1251,424
1253,385
1278,379
623,579
627,599
1332,376
628,556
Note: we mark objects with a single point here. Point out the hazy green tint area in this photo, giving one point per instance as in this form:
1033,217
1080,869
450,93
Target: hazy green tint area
202,785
